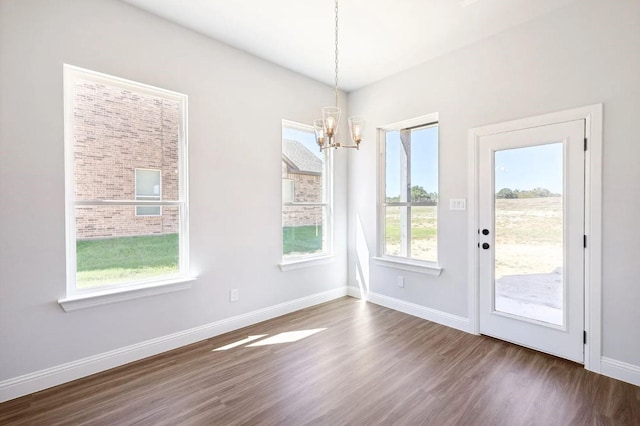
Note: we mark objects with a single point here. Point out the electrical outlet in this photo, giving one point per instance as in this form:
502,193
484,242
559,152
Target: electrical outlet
400,281
234,296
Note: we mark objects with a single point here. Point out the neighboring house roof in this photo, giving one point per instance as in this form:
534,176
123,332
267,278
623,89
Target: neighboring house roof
299,158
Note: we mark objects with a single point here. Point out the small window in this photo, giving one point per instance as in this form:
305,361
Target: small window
126,177
408,216
148,188
306,195
287,190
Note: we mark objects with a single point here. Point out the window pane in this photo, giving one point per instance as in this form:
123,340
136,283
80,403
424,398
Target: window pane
395,168
305,188
148,183
300,148
411,178
303,230
424,233
126,144
148,210
117,130
114,246
424,165
287,190
303,164
304,227
395,230
529,255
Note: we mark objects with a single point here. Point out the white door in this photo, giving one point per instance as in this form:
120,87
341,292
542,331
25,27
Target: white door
531,247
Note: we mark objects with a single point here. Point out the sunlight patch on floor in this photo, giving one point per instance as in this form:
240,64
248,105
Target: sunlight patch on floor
287,337
240,342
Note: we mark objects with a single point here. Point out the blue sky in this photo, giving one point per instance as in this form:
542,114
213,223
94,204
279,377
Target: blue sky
532,167
306,138
424,160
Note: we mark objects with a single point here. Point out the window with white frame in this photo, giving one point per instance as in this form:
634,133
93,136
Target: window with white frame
306,194
288,190
408,212
148,188
126,179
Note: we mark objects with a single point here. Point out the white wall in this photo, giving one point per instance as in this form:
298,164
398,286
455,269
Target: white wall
586,53
236,103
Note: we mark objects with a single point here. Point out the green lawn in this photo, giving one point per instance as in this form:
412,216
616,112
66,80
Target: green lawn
116,260
301,239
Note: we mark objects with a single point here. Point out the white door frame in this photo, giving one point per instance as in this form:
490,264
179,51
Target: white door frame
592,115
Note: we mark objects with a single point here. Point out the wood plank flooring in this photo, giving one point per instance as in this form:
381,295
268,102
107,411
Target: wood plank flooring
368,366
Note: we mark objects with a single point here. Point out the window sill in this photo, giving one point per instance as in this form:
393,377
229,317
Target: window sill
427,268
105,297
306,263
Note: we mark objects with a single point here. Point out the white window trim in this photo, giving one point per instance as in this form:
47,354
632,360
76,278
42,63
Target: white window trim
410,265
81,298
327,256
113,295
146,197
400,262
300,262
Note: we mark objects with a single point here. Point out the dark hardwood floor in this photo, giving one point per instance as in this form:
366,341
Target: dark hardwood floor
369,365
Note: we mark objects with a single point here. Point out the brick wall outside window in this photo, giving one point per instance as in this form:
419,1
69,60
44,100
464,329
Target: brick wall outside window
307,188
115,132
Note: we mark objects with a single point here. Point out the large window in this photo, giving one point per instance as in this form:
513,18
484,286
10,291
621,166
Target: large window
126,150
306,195
408,216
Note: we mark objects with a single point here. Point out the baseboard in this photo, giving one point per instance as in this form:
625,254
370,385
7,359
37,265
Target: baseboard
354,292
620,370
443,318
43,379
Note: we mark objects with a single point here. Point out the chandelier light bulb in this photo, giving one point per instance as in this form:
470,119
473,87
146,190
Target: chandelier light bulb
331,117
356,128
318,127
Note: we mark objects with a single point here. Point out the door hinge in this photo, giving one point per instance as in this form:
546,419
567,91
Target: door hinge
585,144
584,337
584,241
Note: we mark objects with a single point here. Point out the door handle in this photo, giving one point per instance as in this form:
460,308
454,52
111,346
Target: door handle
485,232
485,245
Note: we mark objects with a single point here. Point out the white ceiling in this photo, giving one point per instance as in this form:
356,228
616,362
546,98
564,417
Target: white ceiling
378,38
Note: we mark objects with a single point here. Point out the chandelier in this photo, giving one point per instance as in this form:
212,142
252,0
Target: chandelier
326,128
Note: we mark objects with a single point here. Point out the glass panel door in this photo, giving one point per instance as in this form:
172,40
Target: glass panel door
530,237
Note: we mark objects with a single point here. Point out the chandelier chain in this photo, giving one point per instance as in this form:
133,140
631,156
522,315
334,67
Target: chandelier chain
325,129
336,52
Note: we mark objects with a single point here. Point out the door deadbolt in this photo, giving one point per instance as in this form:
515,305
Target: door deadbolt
485,232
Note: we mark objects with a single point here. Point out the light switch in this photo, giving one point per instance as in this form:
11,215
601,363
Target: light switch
457,204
